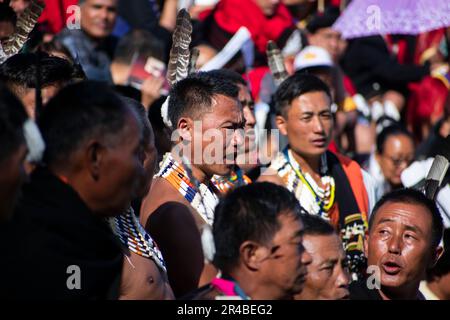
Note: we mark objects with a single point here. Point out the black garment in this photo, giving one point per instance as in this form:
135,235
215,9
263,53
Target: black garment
141,14
373,70
360,291
52,229
435,144
351,230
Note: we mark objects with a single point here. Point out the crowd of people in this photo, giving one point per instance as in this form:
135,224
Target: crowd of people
151,150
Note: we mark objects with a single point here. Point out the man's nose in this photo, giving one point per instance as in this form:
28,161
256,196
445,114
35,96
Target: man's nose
343,278
394,244
317,125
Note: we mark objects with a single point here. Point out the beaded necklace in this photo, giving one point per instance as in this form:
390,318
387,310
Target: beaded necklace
324,197
202,199
314,199
133,236
227,183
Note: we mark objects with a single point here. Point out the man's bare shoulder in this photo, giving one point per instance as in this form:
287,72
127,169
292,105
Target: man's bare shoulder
161,192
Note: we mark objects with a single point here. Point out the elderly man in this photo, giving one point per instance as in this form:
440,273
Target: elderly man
405,230
258,240
93,164
205,111
93,45
328,277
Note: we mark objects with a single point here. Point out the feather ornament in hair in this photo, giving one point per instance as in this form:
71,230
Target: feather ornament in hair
179,54
193,61
25,24
276,63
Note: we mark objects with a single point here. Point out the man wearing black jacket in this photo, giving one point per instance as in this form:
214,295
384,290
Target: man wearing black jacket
58,245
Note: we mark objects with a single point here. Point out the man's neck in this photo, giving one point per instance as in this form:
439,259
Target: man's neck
193,170
411,293
252,288
308,164
434,287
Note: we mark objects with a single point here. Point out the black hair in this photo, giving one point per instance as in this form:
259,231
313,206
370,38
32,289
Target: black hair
12,118
78,112
442,266
141,115
193,95
392,130
323,20
295,86
249,213
7,14
316,226
19,71
138,43
229,74
412,196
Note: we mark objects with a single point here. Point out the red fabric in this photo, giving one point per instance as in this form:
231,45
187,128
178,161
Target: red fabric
402,49
349,86
428,40
254,77
55,14
230,15
426,102
333,147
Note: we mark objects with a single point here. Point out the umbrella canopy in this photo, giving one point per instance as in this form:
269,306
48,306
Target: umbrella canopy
374,17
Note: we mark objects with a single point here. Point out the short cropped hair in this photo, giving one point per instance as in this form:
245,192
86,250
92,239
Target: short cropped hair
79,112
392,130
295,86
249,213
316,226
193,96
19,72
415,197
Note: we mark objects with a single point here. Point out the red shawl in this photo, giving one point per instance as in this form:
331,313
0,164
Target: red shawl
230,15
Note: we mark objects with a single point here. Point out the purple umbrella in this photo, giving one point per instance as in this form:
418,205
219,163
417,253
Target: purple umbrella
373,17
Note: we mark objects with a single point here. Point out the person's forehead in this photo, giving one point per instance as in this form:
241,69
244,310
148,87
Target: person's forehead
225,109
109,3
410,214
291,227
324,246
311,102
328,31
244,92
398,142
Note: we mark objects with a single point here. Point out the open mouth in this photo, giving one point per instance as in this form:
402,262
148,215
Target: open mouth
391,267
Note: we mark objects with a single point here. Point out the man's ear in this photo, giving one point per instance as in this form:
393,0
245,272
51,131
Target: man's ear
94,158
436,255
185,127
252,254
281,124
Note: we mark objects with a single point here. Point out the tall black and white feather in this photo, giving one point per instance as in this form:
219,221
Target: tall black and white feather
179,54
25,24
435,176
276,63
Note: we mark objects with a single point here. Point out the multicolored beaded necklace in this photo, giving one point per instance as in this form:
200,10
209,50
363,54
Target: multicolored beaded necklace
227,183
202,199
133,236
314,199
